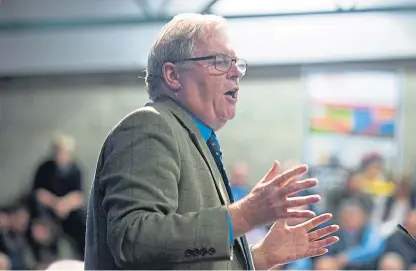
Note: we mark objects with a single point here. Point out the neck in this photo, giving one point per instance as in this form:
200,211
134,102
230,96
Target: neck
214,125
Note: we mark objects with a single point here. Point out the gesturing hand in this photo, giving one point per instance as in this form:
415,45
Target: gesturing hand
270,200
284,243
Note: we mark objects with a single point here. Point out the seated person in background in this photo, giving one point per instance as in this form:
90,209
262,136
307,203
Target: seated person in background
325,263
374,180
58,189
392,210
4,229
239,180
391,261
351,191
16,241
401,244
47,244
359,245
5,263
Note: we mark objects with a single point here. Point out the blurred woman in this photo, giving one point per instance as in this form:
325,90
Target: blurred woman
392,210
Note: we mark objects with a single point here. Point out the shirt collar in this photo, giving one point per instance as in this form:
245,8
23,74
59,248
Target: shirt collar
203,128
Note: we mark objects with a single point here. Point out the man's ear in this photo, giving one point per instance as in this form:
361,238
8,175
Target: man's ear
171,75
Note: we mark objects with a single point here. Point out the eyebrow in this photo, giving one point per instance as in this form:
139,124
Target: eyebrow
222,53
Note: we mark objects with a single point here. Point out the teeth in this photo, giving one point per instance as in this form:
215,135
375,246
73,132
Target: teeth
231,92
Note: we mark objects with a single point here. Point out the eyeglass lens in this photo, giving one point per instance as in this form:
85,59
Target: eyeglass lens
224,62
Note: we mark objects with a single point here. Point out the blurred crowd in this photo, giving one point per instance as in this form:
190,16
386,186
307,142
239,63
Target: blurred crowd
368,204
47,224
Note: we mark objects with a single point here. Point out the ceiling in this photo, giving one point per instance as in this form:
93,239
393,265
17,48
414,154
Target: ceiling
24,11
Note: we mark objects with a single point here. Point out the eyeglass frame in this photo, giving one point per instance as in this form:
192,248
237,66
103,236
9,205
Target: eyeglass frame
233,60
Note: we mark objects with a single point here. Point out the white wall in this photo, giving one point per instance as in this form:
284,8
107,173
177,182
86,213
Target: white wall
279,40
269,123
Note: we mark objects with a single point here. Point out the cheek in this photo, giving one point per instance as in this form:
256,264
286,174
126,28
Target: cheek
211,91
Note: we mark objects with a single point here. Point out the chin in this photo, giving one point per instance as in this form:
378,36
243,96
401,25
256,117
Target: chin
229,117
231,113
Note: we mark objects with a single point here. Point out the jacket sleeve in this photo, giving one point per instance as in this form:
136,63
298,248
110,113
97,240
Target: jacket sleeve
139,177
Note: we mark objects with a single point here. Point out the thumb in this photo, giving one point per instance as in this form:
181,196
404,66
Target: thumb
272,172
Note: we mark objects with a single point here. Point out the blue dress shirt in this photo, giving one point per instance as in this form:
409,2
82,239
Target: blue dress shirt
206,133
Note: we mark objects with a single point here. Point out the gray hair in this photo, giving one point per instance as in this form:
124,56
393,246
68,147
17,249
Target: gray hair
176,42
63,141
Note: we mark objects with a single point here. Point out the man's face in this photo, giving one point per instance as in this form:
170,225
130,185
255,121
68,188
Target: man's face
203,88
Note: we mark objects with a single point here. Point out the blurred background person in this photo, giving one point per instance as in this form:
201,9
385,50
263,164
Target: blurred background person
326,263
48,243
351,190
58,190
401,244
359,246
239,180
392,210
240,188
5,263
374,177
391,261
16,242
4,229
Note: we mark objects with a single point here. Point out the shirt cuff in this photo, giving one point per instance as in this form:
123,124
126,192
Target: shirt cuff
230,226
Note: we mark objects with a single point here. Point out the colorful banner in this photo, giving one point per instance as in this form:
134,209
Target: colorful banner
352,119
351,114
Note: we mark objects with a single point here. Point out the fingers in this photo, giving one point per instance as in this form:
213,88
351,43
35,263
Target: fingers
313,223
324,242
318,234
300,214
272,172
298,186
284,178
301,201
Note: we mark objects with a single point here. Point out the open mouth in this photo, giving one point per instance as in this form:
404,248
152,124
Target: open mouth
232,92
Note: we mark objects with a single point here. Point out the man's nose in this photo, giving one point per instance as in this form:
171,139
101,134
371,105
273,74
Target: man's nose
235,72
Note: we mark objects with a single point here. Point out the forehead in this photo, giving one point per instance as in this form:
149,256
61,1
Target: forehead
219,43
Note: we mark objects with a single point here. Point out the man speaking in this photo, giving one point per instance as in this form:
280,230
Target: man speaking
161,197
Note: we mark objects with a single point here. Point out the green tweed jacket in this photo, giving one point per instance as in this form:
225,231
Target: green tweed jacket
158,200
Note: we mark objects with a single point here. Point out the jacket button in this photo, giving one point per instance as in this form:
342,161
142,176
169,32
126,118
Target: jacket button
196,252
189,253
203,251
211,251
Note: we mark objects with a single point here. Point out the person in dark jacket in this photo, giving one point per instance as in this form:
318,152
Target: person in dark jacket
58,190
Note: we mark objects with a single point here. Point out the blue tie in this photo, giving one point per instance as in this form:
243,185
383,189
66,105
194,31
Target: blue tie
214,147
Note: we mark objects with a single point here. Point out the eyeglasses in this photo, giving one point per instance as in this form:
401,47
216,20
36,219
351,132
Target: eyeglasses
222,62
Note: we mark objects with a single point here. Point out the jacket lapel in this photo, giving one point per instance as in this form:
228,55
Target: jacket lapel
187,122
